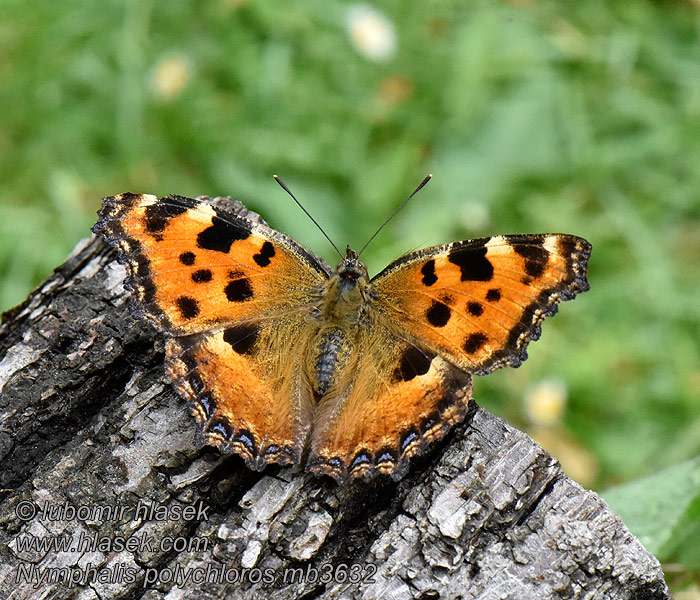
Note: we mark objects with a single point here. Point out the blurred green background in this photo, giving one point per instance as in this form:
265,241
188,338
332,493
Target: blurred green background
534,116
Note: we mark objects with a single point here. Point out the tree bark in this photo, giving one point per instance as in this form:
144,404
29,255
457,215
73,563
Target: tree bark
89,427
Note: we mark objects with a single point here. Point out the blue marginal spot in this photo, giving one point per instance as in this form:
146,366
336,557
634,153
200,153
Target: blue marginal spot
361,458
408,440
246,439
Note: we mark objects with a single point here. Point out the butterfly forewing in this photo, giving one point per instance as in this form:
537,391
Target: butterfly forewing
479,302
192,266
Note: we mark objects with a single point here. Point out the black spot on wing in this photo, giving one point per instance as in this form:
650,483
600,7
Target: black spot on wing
238,290
447,299
187,258
201,276
438,314
472,263
493,295
428,271
155,221
221,234
413,363
474,341
241,338
266,253
536,258
158,215
534,269
188,307
475,309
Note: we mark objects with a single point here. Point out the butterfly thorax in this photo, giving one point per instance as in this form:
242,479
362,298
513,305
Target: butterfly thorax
343,311
345,294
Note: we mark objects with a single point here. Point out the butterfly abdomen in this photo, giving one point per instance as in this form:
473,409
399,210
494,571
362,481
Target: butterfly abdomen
329,347
341,310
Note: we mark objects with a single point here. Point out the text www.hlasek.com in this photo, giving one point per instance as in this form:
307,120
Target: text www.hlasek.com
96,543
181,576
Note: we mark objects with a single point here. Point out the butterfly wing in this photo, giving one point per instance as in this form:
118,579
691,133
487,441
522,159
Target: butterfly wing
193,265
478,303
392,398
437,316
233,295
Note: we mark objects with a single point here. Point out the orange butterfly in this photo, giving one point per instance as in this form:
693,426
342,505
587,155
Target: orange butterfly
289,361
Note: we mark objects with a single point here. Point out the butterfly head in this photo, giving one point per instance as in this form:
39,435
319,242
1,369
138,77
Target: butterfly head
351,270
347,291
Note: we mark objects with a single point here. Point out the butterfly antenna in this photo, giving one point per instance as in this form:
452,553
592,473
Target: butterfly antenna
392,215
286,189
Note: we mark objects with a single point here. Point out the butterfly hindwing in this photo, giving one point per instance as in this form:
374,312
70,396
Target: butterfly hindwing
480,302
392,399
247,393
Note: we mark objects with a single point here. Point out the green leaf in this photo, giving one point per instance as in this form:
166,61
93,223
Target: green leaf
663,511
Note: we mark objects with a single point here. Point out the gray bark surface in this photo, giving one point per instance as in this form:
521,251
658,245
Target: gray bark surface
89,421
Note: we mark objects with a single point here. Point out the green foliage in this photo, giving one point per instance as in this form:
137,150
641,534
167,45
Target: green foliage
550,116
663,511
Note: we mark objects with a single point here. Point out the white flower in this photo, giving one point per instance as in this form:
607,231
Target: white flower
373,35
545,402
170,77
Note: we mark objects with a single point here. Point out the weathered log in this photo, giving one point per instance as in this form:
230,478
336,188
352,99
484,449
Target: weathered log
89,424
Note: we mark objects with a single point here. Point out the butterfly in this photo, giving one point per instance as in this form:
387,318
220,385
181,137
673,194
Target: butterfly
287,360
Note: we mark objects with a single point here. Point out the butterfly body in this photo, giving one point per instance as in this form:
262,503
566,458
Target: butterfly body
288,361
346,293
